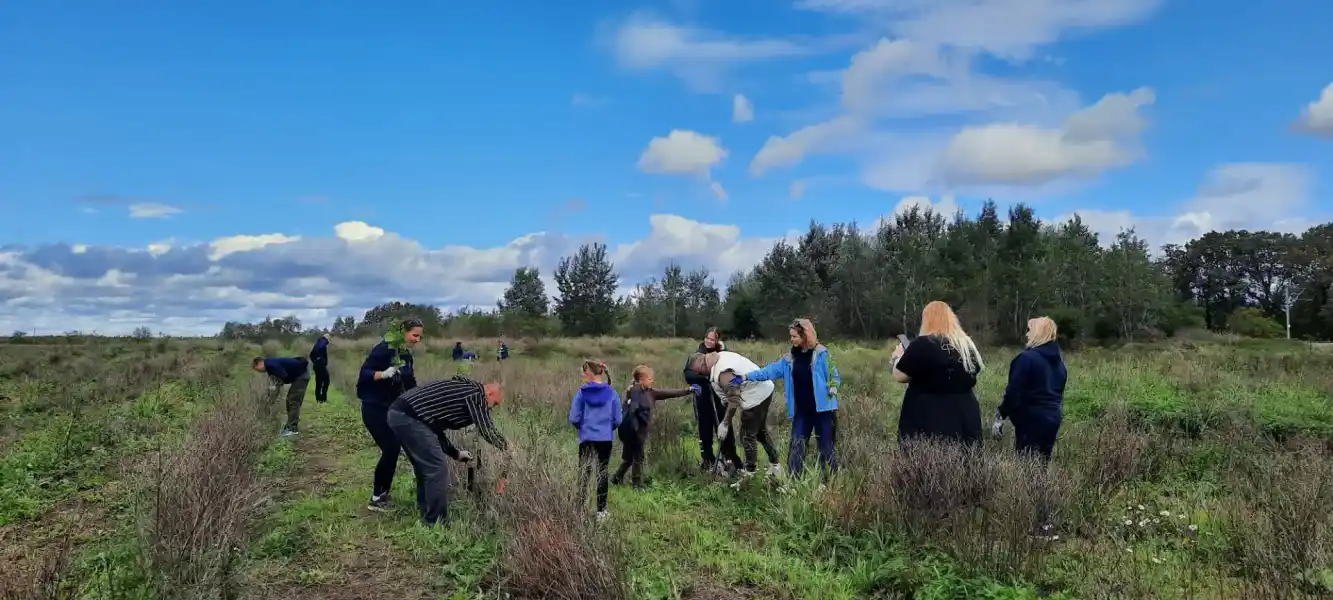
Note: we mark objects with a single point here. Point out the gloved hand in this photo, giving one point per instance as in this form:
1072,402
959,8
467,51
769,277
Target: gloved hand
388,373
273,387
997,428
694,387
833,390
464,456
737,380
722,431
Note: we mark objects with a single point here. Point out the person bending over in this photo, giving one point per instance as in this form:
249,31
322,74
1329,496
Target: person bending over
292,372
751,398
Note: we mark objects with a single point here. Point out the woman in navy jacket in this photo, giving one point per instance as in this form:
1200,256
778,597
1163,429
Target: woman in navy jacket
377,386
1034,398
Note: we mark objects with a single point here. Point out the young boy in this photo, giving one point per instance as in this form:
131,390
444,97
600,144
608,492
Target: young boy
641,398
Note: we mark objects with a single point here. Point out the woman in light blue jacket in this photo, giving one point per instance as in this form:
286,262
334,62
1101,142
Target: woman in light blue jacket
812,382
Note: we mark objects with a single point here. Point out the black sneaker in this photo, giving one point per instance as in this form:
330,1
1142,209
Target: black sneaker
380,503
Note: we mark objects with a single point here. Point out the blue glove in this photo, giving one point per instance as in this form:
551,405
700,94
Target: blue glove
737,380
694,387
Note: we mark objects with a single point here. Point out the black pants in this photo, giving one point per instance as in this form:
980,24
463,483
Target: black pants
374,415
708,412
594,455
754,432
631,459
1036,430
321,380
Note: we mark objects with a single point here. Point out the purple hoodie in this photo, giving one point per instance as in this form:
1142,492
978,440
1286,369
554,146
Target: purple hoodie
596,412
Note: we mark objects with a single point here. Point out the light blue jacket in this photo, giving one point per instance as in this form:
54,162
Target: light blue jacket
826,379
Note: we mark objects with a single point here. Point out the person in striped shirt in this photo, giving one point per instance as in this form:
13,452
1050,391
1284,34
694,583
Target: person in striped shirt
419,419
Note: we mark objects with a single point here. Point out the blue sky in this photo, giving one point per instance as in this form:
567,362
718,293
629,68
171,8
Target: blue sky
156,133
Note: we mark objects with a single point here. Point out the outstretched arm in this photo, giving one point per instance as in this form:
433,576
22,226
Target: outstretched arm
768,372
668,394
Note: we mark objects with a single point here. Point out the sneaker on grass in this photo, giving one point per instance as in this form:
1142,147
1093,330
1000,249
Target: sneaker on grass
602,516
380,503
288,432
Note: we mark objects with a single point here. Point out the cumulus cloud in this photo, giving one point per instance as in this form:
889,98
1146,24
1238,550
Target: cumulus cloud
742,110
1268,196
786,151
1318,115
194,288
1098,138
152,210
682,152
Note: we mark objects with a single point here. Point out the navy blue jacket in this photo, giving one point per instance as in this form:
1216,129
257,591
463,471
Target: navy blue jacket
384,391
285,370
1036,381
320,353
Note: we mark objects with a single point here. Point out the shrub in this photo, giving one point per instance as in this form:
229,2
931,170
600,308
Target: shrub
1252,322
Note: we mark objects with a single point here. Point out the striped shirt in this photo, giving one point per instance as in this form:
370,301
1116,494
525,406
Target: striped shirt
452,403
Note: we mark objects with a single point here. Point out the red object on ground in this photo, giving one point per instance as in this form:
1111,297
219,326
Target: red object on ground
500,489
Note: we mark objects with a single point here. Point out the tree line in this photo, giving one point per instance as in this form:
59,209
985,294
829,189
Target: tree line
996,271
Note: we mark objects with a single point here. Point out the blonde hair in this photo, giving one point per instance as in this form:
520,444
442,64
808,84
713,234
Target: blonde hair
1041,330
640,371
806,330
597,368
938,320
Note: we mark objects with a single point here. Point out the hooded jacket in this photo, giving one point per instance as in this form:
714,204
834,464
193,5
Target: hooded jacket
1036,381
385,391
285,370
825,378
319,354
596,412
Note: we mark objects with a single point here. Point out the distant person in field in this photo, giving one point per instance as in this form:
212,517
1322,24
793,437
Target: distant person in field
640,400
595,413
940,368
458,351
419,419
385,375
1034,398
319,359
811,380
294,373
751,398
708,409
503,352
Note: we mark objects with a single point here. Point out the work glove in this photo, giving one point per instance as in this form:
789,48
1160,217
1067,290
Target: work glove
997,428
388,373
737,380
273,387
722,431
694,387
464,456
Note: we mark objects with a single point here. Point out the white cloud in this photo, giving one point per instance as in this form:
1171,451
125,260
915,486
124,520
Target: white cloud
682,152
718,191
742,110
152,210
194,288
797,189
1254,196
1318,115
946,206
1098,138
829,136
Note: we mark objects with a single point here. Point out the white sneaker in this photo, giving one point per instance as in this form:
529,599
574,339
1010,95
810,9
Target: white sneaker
775,470
288,433
602,516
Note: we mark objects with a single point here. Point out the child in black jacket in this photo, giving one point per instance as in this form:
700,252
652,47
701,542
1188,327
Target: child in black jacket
640,399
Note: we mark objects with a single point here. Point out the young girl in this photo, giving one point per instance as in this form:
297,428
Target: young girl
634,430
595,413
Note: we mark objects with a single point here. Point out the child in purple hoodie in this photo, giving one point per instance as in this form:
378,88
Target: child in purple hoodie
595,413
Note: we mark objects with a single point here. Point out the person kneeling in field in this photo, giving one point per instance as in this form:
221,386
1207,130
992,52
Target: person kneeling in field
751,398
419,419
641,398
293,372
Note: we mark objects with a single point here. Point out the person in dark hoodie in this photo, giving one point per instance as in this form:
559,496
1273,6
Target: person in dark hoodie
385,375
708,410
292,372
1034,398
319,359
595,413
641,398
458,351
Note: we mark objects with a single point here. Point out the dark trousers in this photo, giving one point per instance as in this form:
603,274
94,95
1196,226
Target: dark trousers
594,455
1036,430
321,381
429,464
375,415
754,431
708,412
631,459
295,398
824,426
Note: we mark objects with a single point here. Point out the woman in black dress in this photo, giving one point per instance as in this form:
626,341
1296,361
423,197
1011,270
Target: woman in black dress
940,368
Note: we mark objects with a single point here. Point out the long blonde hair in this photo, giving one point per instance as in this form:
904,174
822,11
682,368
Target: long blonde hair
1041,330
938,320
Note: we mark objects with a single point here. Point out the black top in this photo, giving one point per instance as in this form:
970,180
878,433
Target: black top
452,403
803,380
933,369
